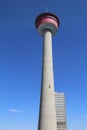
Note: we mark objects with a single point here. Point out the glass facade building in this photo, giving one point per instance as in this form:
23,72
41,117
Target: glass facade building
60,111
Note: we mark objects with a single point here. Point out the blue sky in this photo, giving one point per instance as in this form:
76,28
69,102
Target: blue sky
21,59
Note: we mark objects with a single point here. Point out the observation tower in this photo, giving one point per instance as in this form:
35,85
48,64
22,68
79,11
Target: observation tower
47,25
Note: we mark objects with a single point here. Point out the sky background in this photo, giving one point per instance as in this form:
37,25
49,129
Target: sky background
21,61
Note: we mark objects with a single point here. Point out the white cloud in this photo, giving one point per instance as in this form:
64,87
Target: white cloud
16,110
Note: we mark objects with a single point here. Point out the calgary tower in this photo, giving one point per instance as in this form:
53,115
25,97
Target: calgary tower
47,25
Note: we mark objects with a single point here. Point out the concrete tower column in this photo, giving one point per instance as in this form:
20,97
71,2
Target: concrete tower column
47,66
47,25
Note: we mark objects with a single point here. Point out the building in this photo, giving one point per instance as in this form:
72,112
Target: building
47,25
60,111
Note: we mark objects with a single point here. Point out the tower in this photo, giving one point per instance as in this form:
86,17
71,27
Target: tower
47,25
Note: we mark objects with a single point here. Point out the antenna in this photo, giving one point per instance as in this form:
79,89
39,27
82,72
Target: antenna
47,9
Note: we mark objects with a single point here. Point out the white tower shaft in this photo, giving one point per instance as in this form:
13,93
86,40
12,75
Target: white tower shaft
47,115
47,68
